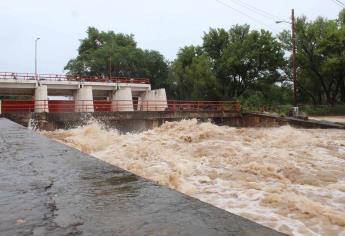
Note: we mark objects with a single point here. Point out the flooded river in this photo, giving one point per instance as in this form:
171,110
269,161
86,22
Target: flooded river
292,180
340,119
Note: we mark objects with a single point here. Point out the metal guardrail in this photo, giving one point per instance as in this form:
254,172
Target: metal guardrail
10,106
62,77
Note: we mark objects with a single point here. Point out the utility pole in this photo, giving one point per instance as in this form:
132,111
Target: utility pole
110,58
110,67
294,64
36,75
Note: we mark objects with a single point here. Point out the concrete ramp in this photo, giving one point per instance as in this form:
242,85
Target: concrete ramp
47,188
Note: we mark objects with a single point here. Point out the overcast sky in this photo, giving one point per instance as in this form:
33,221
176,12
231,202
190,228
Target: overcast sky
157,24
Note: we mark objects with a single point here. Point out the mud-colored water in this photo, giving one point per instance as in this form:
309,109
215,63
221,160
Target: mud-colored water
292,180
340,119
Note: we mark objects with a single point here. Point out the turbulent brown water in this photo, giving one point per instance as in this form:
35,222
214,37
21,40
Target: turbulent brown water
340,119
292,180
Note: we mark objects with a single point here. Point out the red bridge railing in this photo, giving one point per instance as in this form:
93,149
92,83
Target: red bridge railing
10,106
62,77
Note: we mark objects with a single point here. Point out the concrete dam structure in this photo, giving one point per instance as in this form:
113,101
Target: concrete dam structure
126,103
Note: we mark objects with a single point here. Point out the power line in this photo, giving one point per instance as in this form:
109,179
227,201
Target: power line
241,12
257,10
341,3
338,3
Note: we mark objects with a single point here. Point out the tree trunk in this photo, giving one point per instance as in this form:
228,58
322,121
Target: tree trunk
319,96
336,91
342,91
342,88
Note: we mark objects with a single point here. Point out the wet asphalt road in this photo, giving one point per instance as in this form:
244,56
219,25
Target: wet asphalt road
47,188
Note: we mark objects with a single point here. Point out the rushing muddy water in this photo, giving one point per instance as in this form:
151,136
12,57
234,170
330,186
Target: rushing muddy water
340,119
292,180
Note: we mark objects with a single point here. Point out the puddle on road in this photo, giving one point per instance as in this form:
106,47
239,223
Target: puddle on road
119,180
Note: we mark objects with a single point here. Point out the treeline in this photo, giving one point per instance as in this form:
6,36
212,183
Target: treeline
239,63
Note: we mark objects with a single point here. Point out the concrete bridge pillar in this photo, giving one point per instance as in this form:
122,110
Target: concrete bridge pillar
84,99
122,100
154,100
161,98
41,99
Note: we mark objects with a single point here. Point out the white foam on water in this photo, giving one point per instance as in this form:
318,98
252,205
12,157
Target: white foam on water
292,180
340,119
32,125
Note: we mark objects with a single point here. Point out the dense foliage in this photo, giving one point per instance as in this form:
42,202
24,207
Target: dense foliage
320,59
230,64
238,63
108,53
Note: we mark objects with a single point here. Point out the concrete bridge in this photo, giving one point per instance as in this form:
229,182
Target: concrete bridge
83,89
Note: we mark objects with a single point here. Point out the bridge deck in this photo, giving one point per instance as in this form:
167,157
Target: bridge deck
66,87
47,188
64,77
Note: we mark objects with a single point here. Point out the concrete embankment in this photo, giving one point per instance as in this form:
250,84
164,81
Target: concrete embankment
47,188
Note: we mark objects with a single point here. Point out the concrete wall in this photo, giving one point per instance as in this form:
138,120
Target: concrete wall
41,99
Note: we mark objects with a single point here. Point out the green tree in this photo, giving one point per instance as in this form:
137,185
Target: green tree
109,53
191,76
320,59
227,64
243,57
